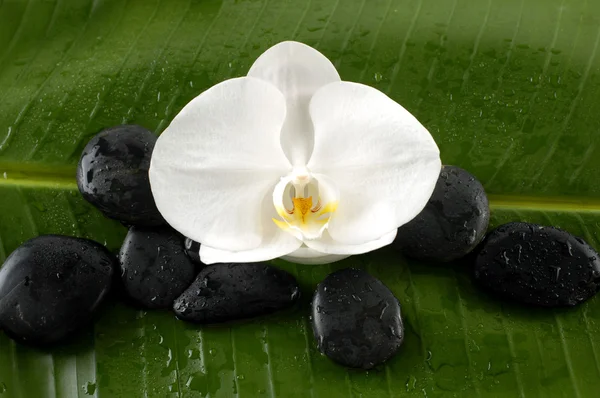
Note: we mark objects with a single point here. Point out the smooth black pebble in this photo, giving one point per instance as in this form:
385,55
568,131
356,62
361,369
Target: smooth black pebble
51,286
192,249
356,319
452,223
154,266
227,292
537,265
112,174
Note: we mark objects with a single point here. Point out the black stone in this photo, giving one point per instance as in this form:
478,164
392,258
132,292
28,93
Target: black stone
537,265
452,223
112,174
51,286
227,292
192,249
154,267
356,319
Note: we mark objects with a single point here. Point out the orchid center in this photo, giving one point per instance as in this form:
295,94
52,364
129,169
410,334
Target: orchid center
304,204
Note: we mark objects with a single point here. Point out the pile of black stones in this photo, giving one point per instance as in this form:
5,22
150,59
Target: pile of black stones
51,286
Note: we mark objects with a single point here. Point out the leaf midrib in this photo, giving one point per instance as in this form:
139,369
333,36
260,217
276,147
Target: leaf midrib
34,175
63,177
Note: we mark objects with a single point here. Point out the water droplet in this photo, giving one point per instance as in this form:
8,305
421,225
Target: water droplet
89,388
429,356
2,388
519,251
38,206
506,258
383,312
411,383
392,330
557,271
378,77
196,382
569,248
212,352
472,236
5,175
356,298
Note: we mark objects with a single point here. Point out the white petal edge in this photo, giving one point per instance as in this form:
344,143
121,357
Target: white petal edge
306,255
383,161
213,166
327,245
278,245
298,71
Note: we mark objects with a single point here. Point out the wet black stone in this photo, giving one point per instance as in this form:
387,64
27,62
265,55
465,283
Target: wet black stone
356,319
112,174
155,269
51,286
452,223
192,249
227,292
537,265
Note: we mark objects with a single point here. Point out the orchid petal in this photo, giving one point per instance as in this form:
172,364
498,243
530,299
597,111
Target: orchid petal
213,166
383,161
306,255
298,71
277,245
327,245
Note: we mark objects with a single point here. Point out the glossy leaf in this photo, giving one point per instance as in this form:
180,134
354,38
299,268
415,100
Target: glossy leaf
509,89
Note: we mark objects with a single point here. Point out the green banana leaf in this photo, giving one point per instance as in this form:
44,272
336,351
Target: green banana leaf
510,89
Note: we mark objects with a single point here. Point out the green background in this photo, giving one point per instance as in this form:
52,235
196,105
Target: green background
510,89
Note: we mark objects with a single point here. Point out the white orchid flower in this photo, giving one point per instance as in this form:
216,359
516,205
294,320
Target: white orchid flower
292,162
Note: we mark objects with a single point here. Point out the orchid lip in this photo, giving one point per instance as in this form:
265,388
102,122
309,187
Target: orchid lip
303,209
